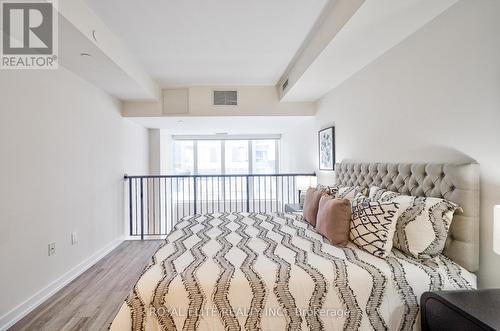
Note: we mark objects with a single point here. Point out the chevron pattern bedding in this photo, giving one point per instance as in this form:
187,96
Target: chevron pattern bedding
241,271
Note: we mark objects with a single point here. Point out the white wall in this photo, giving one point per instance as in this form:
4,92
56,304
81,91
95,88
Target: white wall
434,97
136,148
298,148
64,148
154,152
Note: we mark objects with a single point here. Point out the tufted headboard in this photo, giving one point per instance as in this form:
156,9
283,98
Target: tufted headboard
458,183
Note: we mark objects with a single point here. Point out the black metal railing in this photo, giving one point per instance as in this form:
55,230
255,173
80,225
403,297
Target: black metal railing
156,203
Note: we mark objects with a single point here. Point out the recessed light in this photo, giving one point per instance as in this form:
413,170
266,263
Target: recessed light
83,54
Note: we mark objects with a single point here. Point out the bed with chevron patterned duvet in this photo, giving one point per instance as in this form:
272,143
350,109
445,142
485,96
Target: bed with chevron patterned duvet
241,271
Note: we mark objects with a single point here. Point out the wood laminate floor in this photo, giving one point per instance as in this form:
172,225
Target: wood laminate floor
91,301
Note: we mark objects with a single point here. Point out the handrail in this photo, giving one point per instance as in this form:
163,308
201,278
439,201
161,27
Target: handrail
225,175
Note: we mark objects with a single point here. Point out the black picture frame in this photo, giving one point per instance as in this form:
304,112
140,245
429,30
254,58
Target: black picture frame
326,162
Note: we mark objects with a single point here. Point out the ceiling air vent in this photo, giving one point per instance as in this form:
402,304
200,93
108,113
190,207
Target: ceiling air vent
285,84
225,98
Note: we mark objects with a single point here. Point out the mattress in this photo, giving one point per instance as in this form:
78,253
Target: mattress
233,271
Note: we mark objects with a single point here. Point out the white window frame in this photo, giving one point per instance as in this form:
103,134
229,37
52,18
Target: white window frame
223,138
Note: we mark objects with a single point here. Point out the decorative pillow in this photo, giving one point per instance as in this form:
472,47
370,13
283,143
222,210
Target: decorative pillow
311,204
350,192
422,227
373,224
331,190
333,220
381,194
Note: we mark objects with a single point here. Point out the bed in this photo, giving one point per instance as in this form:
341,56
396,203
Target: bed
233,271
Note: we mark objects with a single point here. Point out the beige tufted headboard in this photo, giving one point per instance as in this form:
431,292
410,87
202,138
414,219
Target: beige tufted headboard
458,183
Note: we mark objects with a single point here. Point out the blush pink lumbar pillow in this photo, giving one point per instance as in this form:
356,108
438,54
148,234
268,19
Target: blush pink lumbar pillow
333,219
311,204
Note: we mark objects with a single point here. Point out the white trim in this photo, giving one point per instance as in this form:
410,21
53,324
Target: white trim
23,309
227,137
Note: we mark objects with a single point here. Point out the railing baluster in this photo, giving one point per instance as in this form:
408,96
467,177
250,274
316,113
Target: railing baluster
146,225
258,191
230,196
130,202
241,192
154,208
265,194
236,192
212,196
159,207
165,206
206,195
136,208
195,195
270,194
171,203
276,193
282,193
142,210
254,194
288,189
248,194
189,196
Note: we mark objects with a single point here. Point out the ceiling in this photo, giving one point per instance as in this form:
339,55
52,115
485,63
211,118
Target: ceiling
376,27
211,42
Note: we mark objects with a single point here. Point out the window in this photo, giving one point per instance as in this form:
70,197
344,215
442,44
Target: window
264,156
208,156
237,157
184,157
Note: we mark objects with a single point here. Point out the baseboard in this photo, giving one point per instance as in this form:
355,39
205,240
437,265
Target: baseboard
13,316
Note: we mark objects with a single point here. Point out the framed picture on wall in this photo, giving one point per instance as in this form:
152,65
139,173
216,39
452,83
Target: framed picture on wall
326,139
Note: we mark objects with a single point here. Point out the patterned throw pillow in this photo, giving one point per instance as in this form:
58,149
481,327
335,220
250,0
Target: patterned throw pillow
330,190
422,227
350,192
373,224
381,194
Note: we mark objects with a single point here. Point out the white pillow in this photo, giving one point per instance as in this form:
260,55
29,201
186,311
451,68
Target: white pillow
373,224
422,227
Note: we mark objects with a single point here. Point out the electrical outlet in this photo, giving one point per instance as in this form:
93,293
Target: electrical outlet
52,249
74,238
